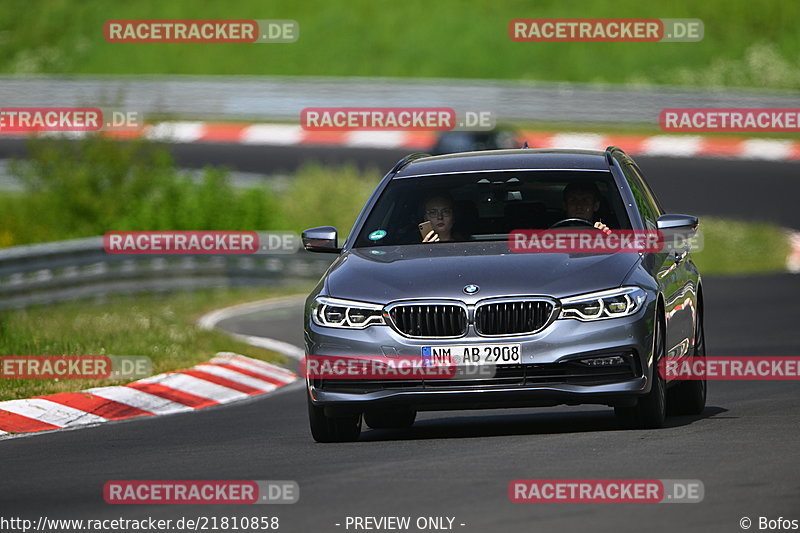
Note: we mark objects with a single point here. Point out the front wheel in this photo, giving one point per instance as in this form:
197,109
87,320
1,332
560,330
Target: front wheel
332,429
651,409
689,398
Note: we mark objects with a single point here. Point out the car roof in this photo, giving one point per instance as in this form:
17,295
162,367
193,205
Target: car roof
522,159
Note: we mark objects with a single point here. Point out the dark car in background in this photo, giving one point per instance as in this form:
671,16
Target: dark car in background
499,138
580,328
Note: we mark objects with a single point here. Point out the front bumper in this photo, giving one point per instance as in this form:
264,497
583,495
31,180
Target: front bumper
548,374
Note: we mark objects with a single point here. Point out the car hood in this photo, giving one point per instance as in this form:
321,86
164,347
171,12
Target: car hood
441,270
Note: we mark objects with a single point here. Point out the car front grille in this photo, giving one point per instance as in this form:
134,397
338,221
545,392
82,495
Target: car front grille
512,317
430,320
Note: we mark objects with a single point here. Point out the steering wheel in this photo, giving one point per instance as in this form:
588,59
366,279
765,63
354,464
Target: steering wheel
567,221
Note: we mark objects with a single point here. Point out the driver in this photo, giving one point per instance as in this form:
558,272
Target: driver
582,200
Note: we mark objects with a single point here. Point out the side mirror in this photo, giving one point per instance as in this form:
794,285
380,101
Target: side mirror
684,222
323,239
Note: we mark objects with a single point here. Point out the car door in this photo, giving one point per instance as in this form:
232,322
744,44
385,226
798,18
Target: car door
679,280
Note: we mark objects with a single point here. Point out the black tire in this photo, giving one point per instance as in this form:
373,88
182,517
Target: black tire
689,398
651,409
390,418
332,429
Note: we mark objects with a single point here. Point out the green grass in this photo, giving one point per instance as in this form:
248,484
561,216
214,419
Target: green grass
161,327
746,44
327,196
87,188
734,247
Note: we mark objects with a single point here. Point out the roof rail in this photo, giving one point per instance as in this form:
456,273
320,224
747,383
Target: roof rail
405,161
610,151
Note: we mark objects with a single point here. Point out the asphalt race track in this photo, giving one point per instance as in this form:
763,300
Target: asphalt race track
743,448
459,464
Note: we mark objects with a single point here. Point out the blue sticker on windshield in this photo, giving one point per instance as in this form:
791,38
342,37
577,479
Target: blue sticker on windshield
377,235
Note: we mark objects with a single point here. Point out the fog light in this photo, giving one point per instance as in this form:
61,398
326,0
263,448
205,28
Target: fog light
605,361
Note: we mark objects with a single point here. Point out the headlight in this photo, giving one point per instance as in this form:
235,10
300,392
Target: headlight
336,313
612,303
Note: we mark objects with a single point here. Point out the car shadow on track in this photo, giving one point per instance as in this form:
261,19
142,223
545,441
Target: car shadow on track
498,425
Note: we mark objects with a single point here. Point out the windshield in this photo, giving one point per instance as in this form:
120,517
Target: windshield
489,205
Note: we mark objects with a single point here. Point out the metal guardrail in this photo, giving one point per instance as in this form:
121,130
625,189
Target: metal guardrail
69,270
282,98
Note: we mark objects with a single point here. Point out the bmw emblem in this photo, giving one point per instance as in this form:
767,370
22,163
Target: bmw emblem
471,288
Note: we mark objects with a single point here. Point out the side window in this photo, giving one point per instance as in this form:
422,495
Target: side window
641,195
648,191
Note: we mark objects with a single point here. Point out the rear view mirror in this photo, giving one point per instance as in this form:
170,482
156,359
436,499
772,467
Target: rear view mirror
323,239
677,222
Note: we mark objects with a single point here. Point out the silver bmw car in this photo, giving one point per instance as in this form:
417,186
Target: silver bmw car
429,273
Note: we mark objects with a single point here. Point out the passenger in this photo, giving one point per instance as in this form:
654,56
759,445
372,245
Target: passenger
438,209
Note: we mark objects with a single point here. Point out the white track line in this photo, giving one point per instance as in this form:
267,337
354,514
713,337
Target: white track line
50,412
140,399
210,320
289,350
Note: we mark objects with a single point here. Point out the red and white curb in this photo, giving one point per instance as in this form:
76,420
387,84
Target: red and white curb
293,135
671,145
793,261
226,378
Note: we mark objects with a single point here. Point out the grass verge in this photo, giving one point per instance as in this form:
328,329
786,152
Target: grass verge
734,247
161,327
81,189
745,44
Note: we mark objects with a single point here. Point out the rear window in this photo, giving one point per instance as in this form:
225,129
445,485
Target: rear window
485,206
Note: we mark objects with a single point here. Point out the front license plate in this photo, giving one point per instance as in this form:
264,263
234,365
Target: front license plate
473,354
